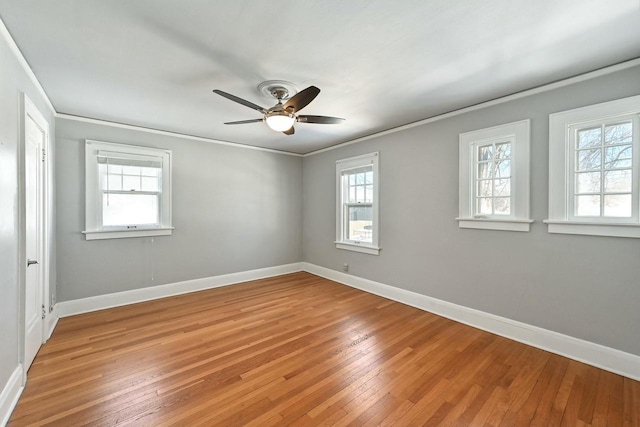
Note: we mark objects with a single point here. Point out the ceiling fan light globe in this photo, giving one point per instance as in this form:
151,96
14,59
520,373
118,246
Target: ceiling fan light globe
280,122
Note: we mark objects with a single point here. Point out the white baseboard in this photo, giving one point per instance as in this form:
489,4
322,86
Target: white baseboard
10,395
101,302
52,321
607,358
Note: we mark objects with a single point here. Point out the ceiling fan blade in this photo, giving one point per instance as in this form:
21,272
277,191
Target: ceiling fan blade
301,99
289,131
324,120
242,122
239,100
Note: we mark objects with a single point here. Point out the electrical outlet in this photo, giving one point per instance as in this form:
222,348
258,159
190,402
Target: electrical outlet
345,267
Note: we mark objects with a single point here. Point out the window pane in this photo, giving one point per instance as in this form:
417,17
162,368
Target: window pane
129,209
130,183
618,157
351,197
131,170
502,187
484,206
589,137
149,171
587,206
360,178
360,223
617,205
503,151
617,181
369,177
484,170
369,193
485,188
502,205
503,169
589,159
485,153
150,184
620,133
352,179
117,169
588,182
114,182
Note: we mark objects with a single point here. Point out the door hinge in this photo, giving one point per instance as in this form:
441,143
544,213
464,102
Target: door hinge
44,154
44,312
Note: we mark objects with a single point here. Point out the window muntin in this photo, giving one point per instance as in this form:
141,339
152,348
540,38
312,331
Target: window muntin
128,191
357,210
603,170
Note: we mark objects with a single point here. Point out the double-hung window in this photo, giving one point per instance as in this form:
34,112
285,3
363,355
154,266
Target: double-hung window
494,178
128,191
594,170
357,207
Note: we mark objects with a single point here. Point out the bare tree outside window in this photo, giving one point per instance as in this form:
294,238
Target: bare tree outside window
603,171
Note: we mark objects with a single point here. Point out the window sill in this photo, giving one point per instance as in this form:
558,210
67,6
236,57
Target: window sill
495,224
122,234
365,249
594,228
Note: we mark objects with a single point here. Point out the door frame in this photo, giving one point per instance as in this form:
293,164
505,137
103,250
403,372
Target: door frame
30,110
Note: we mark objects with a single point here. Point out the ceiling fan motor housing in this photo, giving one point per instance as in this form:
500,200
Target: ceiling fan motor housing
280,93
279,89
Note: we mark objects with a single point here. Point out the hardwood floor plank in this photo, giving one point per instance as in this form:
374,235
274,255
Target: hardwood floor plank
631,399
299,350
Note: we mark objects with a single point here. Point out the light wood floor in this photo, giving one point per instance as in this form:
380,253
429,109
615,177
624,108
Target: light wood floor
305,351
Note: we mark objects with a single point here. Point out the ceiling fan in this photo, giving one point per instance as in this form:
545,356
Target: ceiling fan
281,117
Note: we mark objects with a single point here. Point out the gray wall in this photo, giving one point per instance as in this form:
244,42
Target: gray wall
234,209
582,286
13,82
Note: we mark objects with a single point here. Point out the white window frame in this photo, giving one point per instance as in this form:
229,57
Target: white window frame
562,126
518,134
341,241
93,197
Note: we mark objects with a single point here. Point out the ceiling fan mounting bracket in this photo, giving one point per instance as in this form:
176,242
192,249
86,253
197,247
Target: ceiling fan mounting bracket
278,89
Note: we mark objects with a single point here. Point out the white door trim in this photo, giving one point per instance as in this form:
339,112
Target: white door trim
30,110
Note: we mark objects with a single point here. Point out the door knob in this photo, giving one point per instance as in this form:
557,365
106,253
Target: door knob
31,262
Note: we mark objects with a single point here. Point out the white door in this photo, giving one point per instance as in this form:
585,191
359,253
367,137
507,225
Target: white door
34,138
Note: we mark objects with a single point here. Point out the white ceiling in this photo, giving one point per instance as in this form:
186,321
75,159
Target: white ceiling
379,64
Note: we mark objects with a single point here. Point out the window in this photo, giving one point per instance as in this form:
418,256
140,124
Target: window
594,170
128,191
357,210
494,178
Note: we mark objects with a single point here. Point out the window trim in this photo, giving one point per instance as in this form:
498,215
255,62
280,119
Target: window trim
561,219
93,194
350,245
518,133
